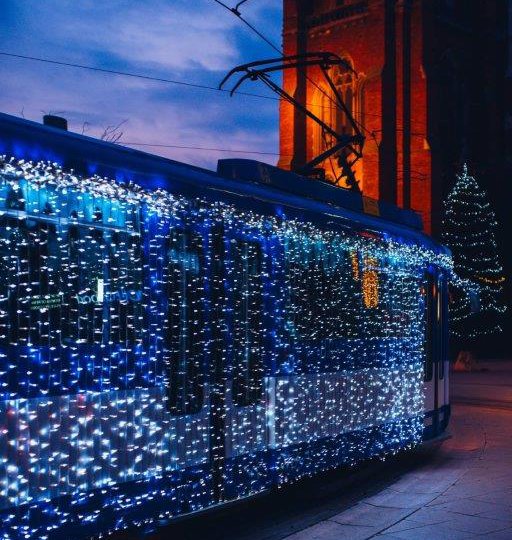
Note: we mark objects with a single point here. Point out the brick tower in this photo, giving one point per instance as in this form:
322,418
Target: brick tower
428,93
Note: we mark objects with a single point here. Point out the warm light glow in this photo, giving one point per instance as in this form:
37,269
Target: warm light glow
354,259
370,284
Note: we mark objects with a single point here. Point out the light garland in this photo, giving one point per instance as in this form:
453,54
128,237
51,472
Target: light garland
370,284
469,230
160,353
354,258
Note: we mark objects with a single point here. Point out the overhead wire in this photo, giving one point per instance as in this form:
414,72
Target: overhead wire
247,23
199,86
206,149
162,80
130,74
334,106
237,13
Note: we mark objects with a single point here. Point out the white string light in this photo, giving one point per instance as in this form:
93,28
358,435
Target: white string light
117,304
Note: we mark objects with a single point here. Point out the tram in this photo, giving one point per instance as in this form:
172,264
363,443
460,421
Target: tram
173,338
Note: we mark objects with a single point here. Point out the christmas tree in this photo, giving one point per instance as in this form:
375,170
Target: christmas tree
469,230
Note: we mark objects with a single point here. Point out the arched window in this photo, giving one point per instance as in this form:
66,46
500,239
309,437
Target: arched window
350,88
344,81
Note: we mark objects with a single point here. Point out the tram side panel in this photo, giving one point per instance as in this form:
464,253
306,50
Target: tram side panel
348,377
172,362
340,376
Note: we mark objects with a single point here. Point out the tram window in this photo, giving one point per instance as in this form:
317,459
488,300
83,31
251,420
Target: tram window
247,317
124,287
92,250
70,269
82,267
43,252
184,337
308,302
30,252
430,308
321,301
10,241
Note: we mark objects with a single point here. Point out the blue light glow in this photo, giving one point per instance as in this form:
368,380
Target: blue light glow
243,351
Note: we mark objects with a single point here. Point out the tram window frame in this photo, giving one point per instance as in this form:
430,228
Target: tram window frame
430,331
247,387
442,318
186,398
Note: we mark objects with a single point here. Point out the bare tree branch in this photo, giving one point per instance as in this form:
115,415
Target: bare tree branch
113,133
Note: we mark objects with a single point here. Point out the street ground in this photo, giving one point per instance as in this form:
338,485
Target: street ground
459,490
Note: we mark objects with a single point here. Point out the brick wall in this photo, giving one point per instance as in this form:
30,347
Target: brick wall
433,91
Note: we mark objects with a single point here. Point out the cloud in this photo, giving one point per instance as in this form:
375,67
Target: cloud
194,41
168,35
154,115
176,35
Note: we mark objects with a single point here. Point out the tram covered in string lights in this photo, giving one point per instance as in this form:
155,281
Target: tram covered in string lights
173,338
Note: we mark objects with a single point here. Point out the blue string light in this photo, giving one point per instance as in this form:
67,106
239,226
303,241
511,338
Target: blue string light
117,307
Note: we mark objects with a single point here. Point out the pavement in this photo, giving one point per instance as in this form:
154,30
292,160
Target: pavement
459,490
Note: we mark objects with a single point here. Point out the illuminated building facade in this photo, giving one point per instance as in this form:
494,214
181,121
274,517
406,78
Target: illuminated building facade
430,93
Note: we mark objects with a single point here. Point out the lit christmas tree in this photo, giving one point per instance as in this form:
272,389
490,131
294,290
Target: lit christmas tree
469,230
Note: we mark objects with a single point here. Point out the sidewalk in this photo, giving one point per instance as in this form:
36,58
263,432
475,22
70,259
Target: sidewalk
464,492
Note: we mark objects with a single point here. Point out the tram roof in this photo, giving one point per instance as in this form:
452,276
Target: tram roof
262,183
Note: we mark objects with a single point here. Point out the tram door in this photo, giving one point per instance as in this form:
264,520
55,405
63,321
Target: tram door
444,366
238,411
434,350
218,363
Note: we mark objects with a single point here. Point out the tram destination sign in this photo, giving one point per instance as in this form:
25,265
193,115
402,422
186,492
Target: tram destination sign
46,301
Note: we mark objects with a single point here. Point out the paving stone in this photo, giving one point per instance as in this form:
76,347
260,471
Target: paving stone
476,524
432,486
499,535
469,507
499,512
366,514
405,525
393,499
329,530
473,491
443,499
427,532
497,497
429,516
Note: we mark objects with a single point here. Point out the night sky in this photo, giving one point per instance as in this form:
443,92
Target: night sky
188,40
